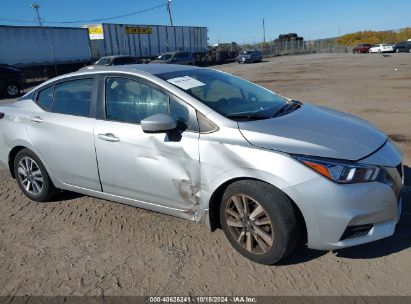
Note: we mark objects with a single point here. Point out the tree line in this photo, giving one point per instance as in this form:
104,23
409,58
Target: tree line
374,37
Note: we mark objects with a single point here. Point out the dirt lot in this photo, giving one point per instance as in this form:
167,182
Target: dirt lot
82,245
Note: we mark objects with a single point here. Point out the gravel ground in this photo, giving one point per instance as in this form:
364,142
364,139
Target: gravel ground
85,246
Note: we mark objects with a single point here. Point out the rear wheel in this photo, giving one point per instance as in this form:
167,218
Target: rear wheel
32,177
259,221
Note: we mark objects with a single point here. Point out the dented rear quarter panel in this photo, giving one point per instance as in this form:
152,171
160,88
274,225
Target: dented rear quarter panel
13,129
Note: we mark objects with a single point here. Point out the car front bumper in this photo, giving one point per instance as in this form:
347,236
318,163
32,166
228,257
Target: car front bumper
244,60
330,210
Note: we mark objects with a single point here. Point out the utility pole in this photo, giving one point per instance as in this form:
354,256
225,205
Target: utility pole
36,6
169,11
264,30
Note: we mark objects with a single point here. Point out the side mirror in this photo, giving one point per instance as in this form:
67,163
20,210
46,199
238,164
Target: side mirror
158,123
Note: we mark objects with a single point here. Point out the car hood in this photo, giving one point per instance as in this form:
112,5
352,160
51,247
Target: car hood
247,56
315,131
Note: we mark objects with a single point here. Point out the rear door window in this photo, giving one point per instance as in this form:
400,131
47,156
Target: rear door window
45,98
73,97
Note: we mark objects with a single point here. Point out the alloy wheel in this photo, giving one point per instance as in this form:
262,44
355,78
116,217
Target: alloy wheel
30,175
12,90
249,224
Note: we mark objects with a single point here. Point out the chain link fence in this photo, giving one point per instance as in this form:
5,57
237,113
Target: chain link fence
281,48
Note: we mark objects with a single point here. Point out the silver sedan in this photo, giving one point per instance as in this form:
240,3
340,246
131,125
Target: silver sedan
208,147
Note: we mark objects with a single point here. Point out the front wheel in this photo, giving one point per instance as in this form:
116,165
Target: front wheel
259,221
12,89
32,177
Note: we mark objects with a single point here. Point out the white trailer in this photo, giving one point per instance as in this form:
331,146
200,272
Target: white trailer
35,46
145,41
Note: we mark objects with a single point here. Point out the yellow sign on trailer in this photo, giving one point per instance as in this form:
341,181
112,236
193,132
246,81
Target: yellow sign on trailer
138,30
95,32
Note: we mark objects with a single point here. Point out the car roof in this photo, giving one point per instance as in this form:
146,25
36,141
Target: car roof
173,53
115,56
153,69
148,71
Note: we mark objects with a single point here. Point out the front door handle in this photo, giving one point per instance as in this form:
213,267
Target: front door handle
36,119
109,137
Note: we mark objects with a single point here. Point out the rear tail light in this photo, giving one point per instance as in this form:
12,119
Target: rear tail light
1,115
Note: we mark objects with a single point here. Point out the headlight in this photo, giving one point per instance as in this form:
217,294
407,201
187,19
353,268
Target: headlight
341,172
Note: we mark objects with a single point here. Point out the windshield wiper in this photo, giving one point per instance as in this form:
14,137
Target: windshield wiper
247,116
289,107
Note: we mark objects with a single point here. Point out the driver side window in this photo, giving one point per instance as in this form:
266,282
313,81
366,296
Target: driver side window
131,101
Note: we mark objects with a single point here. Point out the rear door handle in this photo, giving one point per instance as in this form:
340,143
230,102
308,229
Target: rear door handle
36,119
109,137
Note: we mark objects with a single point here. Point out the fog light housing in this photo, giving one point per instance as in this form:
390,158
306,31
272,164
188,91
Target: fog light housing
356,231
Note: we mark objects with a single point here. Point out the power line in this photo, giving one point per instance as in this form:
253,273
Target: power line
86,21
109,18
16,20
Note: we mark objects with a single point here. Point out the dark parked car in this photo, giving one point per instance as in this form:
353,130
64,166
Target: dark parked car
403,46
117,60
361,48
250,56
112,60
12,80
186,58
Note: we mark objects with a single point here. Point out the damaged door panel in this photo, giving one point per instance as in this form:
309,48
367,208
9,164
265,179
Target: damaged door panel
149,167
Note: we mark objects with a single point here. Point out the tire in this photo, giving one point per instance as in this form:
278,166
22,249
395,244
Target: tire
270,231
12,89
39,187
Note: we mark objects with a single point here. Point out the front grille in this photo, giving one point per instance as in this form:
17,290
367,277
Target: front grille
399,169
356,231
393,177
396,188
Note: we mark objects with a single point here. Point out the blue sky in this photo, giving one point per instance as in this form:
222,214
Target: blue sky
229,20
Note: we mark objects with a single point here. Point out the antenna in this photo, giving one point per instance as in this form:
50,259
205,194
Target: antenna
36,6
169,11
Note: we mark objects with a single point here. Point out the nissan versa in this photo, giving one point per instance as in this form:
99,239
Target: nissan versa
207,146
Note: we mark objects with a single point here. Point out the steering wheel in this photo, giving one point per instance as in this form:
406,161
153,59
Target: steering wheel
223,102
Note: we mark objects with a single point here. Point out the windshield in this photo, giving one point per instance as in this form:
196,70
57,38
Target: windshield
165,57
103,61
246,53
226,94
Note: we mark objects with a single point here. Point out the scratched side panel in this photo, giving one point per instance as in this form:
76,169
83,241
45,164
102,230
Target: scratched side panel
13,127
226,155
149,167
